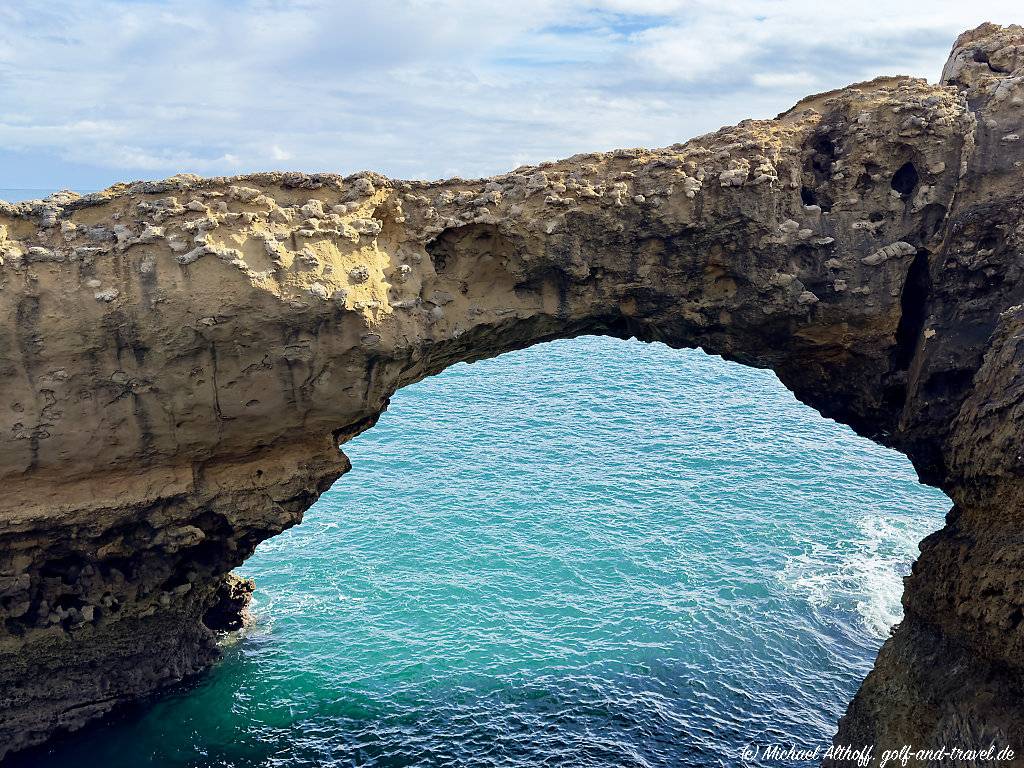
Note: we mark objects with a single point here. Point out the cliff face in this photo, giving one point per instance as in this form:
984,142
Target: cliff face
180,361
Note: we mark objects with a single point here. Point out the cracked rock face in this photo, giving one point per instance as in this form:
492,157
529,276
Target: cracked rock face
180,361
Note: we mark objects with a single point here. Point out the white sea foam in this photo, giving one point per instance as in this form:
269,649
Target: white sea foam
864,574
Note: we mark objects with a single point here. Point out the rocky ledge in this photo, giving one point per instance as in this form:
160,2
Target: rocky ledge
181,360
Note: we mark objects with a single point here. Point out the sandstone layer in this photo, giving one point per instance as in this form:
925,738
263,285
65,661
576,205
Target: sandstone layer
181,360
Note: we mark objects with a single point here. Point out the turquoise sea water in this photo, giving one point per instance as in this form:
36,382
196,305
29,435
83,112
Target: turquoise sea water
588,553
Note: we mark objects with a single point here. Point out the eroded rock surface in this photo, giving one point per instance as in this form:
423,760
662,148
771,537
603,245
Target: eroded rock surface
180,361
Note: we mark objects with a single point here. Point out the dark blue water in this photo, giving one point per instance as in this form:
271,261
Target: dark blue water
589,553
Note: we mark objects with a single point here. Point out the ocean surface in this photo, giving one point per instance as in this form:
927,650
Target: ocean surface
588,553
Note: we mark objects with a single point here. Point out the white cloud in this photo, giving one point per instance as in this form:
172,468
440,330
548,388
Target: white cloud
787,80
104,89
688,54
276,153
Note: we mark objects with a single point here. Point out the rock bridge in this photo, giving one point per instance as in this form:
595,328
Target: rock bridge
180,361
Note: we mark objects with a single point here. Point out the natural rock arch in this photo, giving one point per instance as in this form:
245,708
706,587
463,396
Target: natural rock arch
181,360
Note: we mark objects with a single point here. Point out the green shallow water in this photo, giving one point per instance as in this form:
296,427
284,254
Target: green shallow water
588,553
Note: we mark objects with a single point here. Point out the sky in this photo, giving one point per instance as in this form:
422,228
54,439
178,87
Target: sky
98,91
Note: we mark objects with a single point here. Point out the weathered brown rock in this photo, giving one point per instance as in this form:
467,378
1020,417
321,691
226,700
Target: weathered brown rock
180,361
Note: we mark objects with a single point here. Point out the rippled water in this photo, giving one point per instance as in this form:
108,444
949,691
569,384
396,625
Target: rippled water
588,553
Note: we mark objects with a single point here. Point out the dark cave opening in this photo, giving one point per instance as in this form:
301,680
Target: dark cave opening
905,179
913,306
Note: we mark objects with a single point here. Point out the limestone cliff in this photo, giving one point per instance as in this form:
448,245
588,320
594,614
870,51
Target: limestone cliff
180,361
